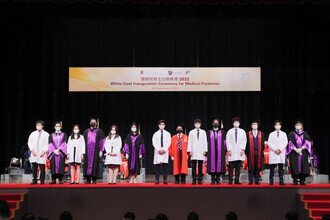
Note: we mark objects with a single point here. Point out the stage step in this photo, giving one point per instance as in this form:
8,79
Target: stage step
317,204
14,200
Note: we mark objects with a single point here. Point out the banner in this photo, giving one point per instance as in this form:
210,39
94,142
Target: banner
122,79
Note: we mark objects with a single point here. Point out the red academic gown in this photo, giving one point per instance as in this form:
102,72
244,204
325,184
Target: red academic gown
174,152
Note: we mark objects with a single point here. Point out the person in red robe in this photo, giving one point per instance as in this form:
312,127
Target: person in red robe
255,153
179,155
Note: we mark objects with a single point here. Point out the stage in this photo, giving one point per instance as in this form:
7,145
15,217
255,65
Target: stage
97,201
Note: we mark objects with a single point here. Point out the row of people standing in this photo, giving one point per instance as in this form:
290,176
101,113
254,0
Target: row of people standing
213,145
199,146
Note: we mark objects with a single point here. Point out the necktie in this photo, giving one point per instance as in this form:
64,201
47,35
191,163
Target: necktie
161,139
278,134
38,139
180,143
197,134
236,135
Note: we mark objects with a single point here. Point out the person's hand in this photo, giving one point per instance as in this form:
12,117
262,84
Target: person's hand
172,158
140,156
160,152
34,153
100,154
205,153
68,156
55,152
191,154
127,156
42,153
230,153
82,156
242,153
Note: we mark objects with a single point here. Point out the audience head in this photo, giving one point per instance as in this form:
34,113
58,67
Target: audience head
129,216
291,216
231,216
161,216
66,216
28,216
192,216
4,210
326,217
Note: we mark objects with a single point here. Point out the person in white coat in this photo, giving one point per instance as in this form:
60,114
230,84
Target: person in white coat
236,143
197,149
38,145
277,143
112,148
75,155
161,140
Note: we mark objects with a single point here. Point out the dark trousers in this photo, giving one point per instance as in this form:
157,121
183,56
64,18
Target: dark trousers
57,176
35,171
90,177
237,166
183,178
280,172
200,169
254,174
159,167
215,177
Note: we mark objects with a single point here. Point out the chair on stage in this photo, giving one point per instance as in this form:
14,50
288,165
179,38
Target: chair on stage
15,166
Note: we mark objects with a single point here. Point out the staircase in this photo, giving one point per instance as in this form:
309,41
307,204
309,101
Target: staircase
317,204
14,200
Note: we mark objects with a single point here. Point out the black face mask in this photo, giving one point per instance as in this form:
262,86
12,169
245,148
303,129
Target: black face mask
216,126
92,125
179,131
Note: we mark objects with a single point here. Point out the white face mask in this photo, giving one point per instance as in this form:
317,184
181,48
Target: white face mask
277,127
113,132
76,131
254,127
298,127
39,128
197,125
133,129
57,129
236,124
161,127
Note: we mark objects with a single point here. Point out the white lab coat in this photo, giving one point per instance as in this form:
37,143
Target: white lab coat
274,143
76,148
39,147
113,146
158,159
236,147
197,147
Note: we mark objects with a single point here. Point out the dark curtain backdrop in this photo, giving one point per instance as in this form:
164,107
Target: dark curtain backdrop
38,43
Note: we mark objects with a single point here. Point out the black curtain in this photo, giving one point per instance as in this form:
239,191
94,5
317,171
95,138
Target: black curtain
39,42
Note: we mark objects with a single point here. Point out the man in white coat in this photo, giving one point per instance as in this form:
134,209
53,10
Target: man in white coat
197,148
277,143
161,140
38,145
236,143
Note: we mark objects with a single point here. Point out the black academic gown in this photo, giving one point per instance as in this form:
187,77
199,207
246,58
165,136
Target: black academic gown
249,151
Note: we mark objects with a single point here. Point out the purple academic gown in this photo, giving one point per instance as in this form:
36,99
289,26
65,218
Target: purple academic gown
216,160
299,163
92,150
57,162
134,147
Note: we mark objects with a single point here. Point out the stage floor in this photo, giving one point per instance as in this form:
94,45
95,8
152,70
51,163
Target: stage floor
105,201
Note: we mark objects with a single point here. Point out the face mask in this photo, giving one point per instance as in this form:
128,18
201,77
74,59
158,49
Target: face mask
254,127
236,124
298,127
179,131
133,129
76,131
113,132
57,129
161,127
278,127
216,125
93,125
197,125
39,128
